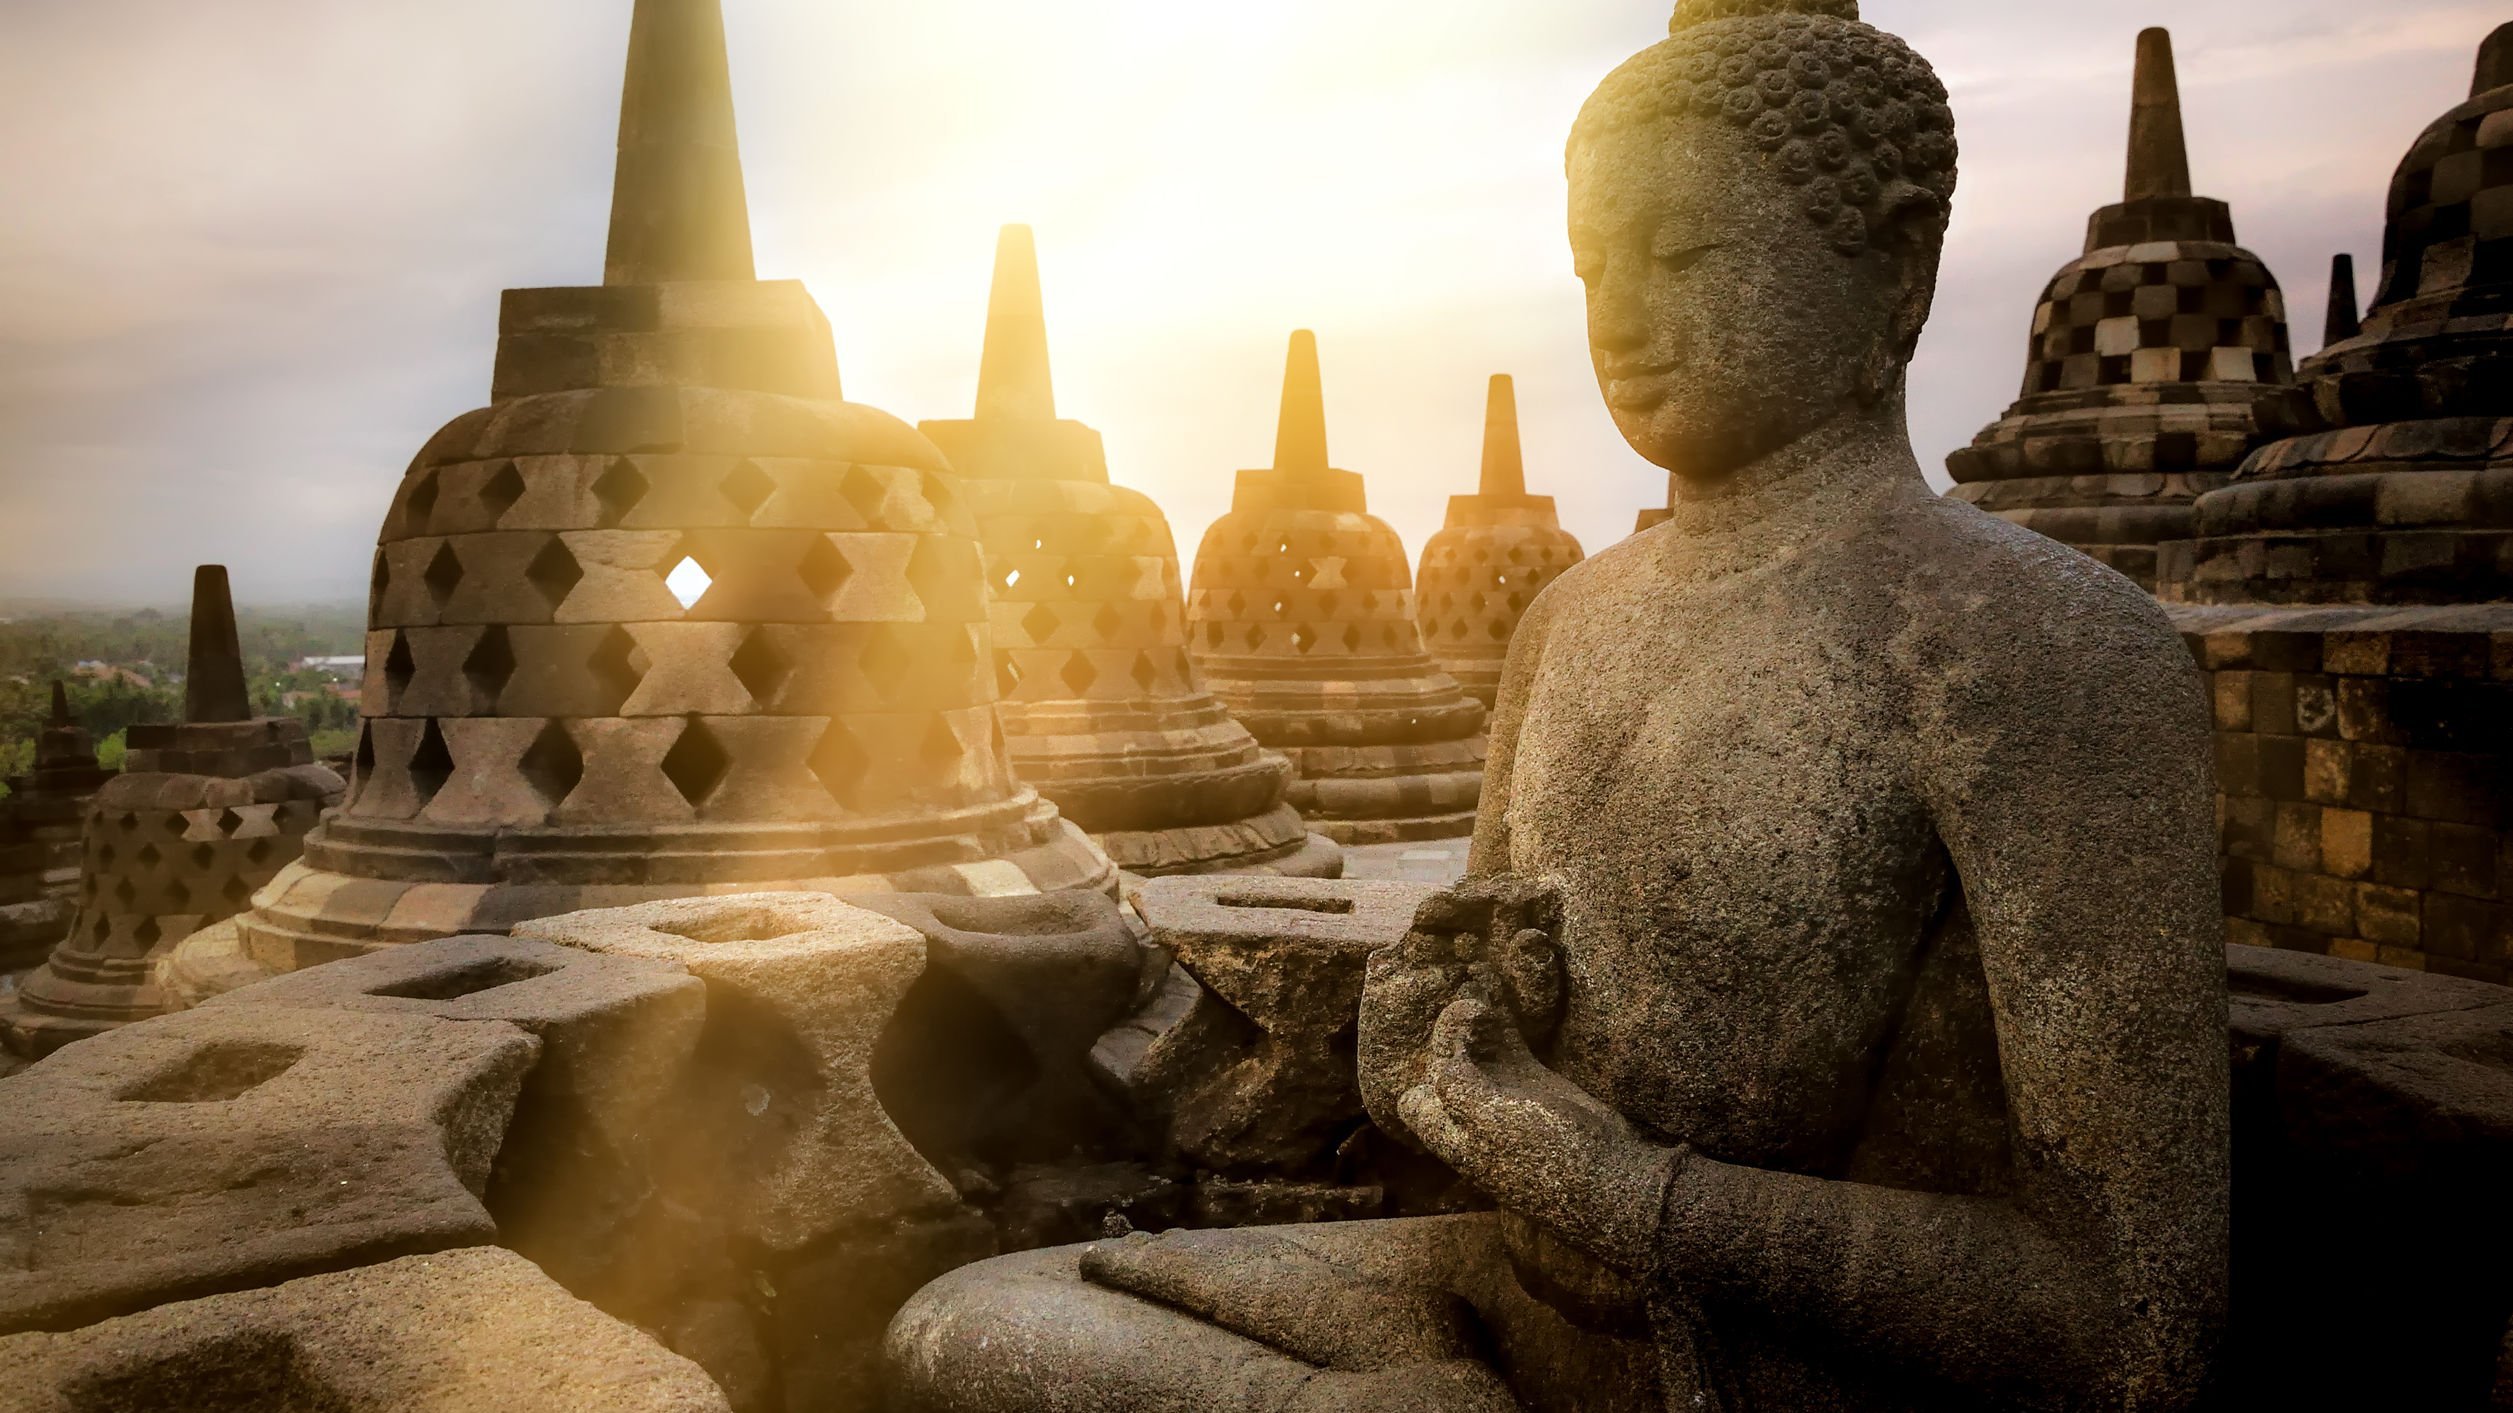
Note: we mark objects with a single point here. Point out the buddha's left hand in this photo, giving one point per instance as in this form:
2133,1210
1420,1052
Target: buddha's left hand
1535,1142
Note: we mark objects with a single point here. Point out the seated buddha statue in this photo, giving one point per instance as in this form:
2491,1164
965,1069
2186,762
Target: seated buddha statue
1834,1009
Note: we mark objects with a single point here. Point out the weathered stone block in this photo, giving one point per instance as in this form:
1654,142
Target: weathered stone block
476,1331
235,1146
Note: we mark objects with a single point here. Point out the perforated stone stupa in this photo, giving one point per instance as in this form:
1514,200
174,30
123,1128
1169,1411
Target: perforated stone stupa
668,617
42,828
2151,359
1102,708
1302,621
2352,592
1500,547
205,812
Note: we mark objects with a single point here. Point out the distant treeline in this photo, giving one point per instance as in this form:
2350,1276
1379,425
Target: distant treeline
150,644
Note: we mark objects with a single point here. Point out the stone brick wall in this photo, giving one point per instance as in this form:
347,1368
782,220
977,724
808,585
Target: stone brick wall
2361,760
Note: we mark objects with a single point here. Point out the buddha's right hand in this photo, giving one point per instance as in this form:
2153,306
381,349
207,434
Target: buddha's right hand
1492,938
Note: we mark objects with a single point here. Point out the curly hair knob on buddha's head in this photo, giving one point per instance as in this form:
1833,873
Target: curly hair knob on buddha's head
1844,110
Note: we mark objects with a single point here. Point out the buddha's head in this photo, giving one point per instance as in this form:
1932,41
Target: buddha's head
1757,208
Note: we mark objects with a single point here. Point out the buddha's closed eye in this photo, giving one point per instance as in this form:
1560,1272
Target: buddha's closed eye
1676,260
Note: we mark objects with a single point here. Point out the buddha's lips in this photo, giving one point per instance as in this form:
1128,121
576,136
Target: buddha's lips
1638,388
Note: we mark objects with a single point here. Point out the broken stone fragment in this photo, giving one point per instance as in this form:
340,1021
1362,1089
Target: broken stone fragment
799,989
235,1146
474,1331
1260,1074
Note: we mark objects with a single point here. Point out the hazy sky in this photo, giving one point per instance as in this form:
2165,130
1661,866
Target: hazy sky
253,249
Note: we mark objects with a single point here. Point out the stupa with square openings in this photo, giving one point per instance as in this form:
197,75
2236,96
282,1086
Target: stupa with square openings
2153,359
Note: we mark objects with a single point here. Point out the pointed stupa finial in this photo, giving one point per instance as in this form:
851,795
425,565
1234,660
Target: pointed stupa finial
60,704
2344,322
213,678
2159,158
2495,61
1013,378
1300,438
1504,465
678,207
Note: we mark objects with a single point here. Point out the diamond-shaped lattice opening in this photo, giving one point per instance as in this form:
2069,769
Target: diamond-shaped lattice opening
824,569
885,663
618,489
432,765
1304,637
444,574
258,851
124,893
1010,580
761,666
147,933
1213,635
490,666
554,572
420,508
1352,637
237,892
864,491
697,762
552,765
839,763
1108,620
1145,671
614,667
362,765
1078,674
178,896
399,668
500,492
689,581
748,488
148,856
1328,602
1007,674
203,855
230,823
1041,624
1238,605
940,750
174,824
379,578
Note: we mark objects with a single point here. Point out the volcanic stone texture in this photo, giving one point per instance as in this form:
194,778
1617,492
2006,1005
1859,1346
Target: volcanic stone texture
1102,708
1500,547
475,1331
668,618
2152,359
1301,619
43,825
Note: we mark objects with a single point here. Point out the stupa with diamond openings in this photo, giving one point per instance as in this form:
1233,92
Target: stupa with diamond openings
668,617
205,811
1301,618
2153,358
1102,708
1501,546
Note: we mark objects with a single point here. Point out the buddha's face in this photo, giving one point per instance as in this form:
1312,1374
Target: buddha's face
1723,322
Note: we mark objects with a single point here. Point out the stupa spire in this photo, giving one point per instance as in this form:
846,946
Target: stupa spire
1300,438
1504,465
1013,376
2495,62
213,681
2159,158
678,206
2344,321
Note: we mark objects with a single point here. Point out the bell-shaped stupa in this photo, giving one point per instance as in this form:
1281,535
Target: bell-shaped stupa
2400,490
2151,361
1301,619
668,617
1102,708
1481,571
42,826
204,813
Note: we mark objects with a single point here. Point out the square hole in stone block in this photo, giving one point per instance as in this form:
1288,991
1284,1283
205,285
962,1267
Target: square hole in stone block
214,1074
470,979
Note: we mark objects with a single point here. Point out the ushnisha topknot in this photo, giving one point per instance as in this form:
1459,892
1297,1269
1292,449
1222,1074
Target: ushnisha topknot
1837,107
